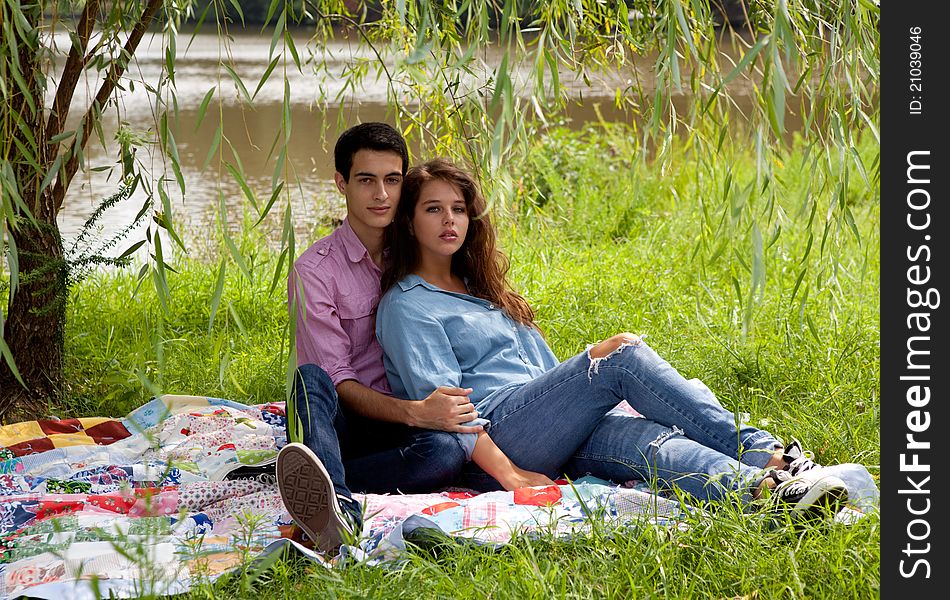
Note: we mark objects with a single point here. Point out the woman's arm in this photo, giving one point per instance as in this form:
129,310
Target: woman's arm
496,463
417,351
419,358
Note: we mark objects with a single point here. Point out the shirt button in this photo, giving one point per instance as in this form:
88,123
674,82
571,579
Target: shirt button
491,307
322,251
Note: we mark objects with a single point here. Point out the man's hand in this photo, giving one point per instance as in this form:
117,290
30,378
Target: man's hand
446,409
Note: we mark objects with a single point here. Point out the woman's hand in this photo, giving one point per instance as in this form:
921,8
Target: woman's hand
519,478
612,343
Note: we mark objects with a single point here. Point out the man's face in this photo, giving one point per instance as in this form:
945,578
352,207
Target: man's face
372,191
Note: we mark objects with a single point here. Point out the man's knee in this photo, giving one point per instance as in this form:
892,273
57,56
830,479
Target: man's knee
311,375
314,395
312,384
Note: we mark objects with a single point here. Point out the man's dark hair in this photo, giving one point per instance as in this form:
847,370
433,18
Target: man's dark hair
368,136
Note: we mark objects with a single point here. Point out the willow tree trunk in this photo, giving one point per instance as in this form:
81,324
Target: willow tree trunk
35,324
36,311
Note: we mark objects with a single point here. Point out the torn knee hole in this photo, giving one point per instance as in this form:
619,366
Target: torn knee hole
596,360
665,436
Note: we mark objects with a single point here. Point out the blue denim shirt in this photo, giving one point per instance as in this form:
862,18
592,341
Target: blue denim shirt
432,337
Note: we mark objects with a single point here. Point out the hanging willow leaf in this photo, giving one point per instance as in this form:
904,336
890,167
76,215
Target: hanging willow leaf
218,291
203,107
265,76
238,83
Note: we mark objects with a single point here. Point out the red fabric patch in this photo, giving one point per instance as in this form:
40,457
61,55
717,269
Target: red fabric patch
53,508
50,426
531,496
460,495
31,447
437,508
108,432
113,502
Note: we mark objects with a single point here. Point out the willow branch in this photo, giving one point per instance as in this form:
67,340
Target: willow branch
70,78
116,71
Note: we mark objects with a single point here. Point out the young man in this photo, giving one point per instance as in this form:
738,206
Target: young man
355,435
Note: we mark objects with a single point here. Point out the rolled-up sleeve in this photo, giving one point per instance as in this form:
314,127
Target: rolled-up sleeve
419,355
320,338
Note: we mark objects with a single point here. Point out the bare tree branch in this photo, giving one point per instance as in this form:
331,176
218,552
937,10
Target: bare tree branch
116,70
71,72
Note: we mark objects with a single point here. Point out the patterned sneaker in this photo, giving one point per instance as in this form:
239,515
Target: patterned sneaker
309,497
811,494
798,461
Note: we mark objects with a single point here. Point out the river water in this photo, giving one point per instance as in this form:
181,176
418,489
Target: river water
251,130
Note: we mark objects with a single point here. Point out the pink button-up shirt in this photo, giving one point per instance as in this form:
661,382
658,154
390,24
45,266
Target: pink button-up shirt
336,286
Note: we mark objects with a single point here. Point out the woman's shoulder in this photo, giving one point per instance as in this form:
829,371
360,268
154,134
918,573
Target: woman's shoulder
405,294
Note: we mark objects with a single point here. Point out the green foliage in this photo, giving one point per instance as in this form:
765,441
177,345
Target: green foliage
90,252
725,557
482,81
746,255
161,342
612,248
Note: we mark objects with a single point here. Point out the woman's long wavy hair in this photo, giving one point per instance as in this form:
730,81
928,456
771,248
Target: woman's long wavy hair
478,261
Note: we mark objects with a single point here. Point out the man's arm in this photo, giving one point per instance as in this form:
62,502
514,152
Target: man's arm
445,409
317,319
319,336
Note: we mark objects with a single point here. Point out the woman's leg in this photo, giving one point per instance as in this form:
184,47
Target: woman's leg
636,373
625,447
541,424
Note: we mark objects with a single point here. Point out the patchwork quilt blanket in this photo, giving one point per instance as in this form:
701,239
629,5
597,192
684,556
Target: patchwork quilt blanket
182,491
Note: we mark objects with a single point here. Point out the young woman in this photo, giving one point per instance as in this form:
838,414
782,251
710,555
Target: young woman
448,316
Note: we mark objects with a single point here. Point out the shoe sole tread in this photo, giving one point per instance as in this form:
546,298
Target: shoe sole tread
307,492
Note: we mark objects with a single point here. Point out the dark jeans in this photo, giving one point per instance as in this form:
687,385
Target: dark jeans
369,456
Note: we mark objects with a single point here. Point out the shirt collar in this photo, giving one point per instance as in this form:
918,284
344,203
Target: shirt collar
411,281
355,250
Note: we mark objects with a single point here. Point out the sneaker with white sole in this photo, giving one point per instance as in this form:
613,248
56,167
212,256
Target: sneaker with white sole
310,498
797,460
811,494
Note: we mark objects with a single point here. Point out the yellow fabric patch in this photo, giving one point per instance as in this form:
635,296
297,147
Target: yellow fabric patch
61,440
178,404
20,432
88,422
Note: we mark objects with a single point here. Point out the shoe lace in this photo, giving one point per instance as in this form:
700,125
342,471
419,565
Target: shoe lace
803,463
795,487
787,484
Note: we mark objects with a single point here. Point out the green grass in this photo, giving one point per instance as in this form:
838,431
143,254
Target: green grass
727,556
600,242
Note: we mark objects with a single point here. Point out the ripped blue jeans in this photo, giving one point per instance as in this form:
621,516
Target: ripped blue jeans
562,422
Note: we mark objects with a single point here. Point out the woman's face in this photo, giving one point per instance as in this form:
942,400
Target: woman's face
440,221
